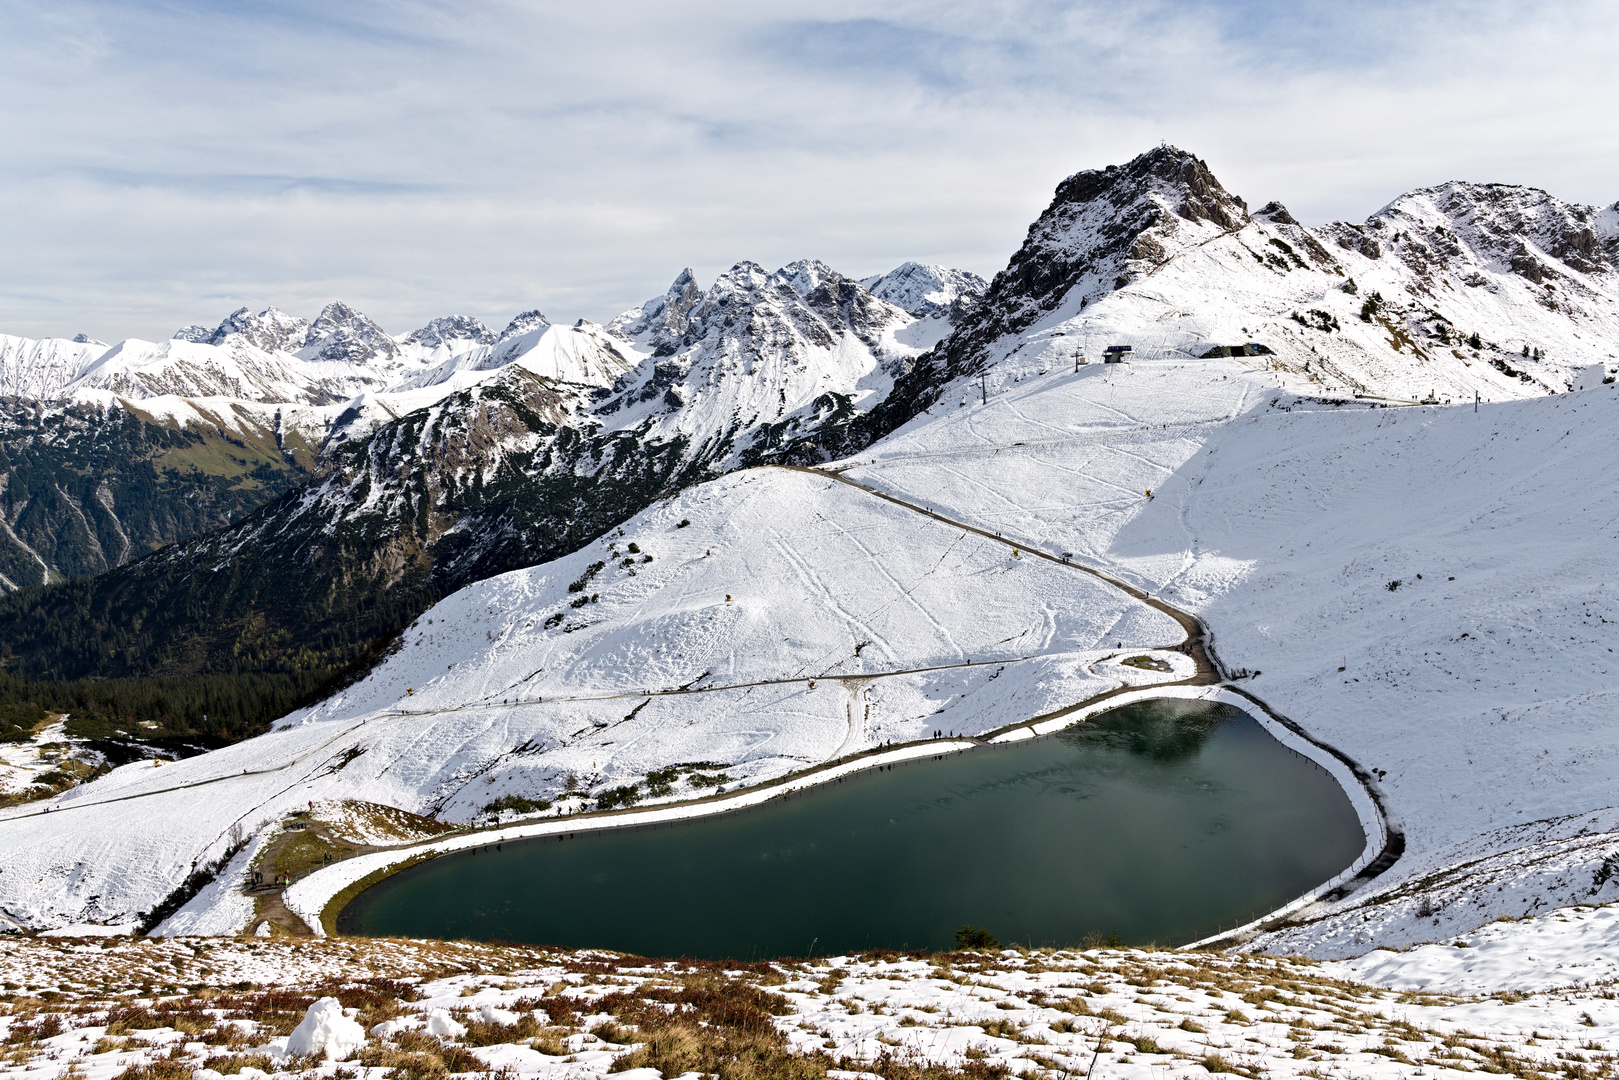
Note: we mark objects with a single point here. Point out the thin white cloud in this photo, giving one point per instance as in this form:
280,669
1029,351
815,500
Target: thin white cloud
167,161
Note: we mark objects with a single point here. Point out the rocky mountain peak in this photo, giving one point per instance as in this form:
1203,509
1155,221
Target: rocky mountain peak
663,318
452,328
271,330
1276,213
345,335
523,322
925,290
1103,229
1504,225
806,275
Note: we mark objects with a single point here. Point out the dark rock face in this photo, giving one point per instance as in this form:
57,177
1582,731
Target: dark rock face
1102,229
1099,221
662,321
1527,266
1274,211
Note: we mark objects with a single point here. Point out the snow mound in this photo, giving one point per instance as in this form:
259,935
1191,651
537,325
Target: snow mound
326,1032
441,1025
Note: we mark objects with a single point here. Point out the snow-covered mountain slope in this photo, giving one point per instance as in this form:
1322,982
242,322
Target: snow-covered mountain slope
583,353
1281,522
37,370
271,330
1431,298
1448,291
758,347
1296,527
269,358
523,322
450,331
1480,691
230,423
807,619
141,369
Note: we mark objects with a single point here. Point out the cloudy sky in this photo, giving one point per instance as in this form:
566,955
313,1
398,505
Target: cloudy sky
166,161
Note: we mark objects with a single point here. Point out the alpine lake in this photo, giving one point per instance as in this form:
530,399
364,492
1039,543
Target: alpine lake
1157,822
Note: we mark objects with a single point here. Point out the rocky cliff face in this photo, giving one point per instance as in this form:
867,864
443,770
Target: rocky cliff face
447,331
342,335
1446,292
1104,229
757,360
523,323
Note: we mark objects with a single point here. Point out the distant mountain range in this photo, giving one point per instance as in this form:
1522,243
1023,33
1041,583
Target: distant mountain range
405,467
461,453
113,451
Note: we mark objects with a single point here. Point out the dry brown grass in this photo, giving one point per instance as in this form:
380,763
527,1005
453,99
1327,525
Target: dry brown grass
415,1056
235,1063
305,851
385,821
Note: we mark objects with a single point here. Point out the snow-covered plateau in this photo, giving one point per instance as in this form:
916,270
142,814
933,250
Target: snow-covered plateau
1422,588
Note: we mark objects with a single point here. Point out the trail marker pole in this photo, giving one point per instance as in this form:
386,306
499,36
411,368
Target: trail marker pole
1475,401
983,388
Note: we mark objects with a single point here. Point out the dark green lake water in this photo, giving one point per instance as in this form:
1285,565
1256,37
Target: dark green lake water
1159,821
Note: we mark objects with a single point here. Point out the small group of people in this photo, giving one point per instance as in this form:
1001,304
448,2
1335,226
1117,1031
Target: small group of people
280,881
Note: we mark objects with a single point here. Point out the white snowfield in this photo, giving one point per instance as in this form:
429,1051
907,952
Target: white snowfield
1480,692
1564,948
